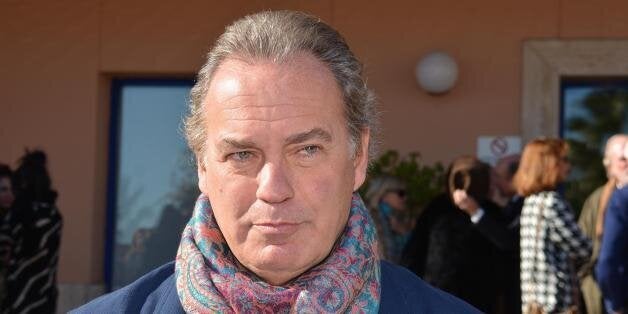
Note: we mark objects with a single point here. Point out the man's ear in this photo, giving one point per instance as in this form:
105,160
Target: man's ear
202,174
361,160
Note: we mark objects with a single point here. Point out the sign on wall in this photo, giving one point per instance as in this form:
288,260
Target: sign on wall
491,148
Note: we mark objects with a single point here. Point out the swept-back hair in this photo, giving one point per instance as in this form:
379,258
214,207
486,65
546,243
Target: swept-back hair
276,36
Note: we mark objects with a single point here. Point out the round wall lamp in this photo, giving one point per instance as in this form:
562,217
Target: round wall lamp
436,72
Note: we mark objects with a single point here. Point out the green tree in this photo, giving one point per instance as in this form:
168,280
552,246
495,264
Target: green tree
423,182
605,115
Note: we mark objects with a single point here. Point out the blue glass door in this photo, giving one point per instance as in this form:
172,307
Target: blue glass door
152,182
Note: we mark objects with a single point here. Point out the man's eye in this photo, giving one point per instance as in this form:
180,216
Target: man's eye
310,150
240,156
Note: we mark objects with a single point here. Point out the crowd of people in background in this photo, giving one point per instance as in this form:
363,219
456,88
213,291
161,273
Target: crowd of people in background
504,238
30,236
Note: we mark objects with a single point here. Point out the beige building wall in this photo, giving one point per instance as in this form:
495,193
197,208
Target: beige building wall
57,58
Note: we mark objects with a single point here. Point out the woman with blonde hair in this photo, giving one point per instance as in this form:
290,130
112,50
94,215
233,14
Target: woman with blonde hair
552,244
386,199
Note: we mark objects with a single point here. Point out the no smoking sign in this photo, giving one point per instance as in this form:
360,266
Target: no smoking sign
499,146
492,148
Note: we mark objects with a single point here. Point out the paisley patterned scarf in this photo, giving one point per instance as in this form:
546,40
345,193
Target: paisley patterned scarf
210,279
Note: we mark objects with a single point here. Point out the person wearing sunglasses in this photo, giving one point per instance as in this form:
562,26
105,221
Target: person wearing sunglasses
387,205
552,245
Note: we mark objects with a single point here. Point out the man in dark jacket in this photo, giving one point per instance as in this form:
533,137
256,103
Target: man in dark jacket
591,219
280,122
612,265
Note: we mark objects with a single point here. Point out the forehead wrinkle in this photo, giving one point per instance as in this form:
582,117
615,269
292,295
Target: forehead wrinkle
267,120
230,98
254,105
266,113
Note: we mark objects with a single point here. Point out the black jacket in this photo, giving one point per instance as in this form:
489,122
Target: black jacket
450,252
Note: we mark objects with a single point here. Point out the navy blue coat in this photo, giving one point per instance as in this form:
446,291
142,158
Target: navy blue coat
612,264
156,292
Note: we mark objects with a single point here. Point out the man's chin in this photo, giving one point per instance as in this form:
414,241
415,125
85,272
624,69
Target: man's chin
281,257
281,261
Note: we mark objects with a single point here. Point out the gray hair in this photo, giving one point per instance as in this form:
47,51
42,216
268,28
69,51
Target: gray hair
379,186
616,139
276,36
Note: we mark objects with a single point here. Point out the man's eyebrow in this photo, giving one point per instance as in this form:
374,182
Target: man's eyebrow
315,133
229,143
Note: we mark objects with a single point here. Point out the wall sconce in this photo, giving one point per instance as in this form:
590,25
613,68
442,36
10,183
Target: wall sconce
436,72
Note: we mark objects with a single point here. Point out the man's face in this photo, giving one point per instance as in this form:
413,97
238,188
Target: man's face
622,176
278,168
502,179
396,199
6,193
618,163
564,168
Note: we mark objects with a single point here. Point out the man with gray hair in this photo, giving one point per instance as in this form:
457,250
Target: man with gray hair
281,123
591,219
612,264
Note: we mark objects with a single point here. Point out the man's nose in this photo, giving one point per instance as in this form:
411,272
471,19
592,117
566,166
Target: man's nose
274,185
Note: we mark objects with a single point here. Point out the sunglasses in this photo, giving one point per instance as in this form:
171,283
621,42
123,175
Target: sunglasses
400,192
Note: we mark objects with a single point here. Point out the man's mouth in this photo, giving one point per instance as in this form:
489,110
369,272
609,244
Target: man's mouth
277,228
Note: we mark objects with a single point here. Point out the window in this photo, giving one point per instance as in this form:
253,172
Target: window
593,109
152,178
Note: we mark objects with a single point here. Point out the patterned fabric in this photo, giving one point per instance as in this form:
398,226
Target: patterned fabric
549,258
210,279
32,276
6,248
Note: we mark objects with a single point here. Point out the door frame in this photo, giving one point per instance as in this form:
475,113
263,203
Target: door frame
546,61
